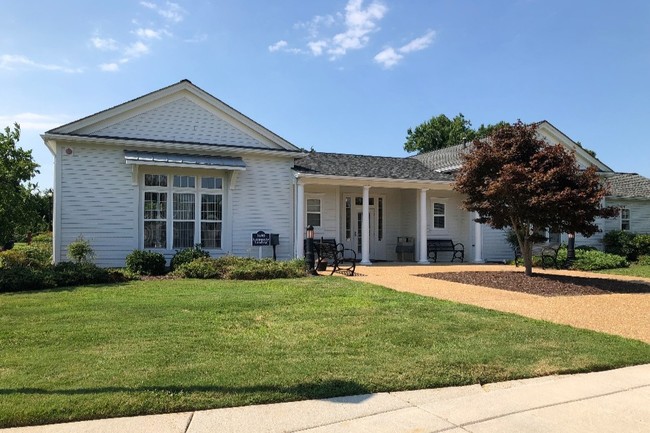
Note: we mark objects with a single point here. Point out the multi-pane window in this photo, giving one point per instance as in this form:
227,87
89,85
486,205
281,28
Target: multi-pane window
195,214
439,215
625,219
380,218
348,218
155,219
313,212
211,216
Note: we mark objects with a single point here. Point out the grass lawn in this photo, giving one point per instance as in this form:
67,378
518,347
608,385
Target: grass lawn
633,270
165,346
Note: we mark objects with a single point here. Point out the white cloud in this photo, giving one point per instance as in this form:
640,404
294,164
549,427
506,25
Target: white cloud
104,44
136,49
12,62
420,43
278,46
360,23
150,33
170,11
34,121
197,38
388,57
317,47
313,26
109,67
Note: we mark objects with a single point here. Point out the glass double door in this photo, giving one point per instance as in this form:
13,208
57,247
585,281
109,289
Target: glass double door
354,226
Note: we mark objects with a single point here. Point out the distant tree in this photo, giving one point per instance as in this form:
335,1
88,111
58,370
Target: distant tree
517,180
16,169
440,132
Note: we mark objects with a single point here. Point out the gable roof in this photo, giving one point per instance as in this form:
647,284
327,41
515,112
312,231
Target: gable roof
628,185
449,159
180,113
365,166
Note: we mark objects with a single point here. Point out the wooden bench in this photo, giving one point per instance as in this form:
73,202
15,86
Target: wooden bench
547,252
435,246
335,255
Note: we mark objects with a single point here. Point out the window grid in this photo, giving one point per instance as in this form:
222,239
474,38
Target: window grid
439,215
313,212
625,219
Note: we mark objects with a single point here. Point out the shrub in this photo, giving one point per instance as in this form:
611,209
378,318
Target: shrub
643,261
80,251
241,268
75,274
25,256
187,255
202,267
15,279
620,242
145,263
641,244
42,238
593,260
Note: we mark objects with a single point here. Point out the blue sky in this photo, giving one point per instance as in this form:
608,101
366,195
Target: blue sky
345,76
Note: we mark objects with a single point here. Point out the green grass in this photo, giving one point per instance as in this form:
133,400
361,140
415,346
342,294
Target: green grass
164,346
633,270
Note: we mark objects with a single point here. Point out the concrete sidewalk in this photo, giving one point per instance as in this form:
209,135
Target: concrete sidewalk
610,401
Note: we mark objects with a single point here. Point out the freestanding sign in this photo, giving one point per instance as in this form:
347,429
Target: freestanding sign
260,239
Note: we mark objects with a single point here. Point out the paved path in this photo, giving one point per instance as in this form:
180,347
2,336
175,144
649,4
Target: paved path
612,401
622,314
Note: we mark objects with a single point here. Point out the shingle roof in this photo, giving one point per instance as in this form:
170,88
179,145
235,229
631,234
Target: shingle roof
628,185
340,164
444,160
185,159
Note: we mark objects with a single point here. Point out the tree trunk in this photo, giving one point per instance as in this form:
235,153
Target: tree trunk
527,255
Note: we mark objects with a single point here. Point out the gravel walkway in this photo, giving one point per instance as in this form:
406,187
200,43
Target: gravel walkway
626,314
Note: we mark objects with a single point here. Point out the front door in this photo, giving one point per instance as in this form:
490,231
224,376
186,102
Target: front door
353,223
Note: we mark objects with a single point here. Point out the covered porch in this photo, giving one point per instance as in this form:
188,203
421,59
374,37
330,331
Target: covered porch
385,220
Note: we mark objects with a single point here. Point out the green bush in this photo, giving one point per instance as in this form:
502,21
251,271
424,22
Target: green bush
188,255
241,268
641,244
80,251
64,274
620,242
202,267
25,256
42,238
644,260
592,260
145,263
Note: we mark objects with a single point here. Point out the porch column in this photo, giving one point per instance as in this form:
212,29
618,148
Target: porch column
300,221
422,230
365,227
478,240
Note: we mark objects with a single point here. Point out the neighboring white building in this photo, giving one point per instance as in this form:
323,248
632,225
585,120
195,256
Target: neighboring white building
178,167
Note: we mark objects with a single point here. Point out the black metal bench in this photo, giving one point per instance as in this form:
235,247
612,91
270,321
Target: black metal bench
335,255
547,253
435,246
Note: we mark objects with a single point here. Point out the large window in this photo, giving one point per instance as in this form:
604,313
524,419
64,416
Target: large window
195,215
625,219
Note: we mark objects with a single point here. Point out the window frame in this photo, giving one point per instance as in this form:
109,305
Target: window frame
434,202
198,191
627,219
312,212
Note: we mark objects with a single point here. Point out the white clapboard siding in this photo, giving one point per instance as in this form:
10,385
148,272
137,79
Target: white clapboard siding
262,200
495,246
180,120
99,202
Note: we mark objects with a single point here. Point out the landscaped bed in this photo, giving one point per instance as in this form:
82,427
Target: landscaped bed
175,345
543,284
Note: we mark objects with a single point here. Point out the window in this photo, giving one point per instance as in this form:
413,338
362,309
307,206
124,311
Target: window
348,218
313,212
380,218
439,215
625,219
211,214
195,215
155,219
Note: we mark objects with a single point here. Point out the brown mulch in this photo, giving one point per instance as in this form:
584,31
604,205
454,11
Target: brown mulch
543,284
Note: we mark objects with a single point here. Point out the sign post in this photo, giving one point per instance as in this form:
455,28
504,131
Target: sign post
260,239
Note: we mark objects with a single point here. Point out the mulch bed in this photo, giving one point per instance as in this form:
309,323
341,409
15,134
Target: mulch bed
543,284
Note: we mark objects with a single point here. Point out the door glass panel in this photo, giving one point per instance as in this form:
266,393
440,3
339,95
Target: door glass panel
359,225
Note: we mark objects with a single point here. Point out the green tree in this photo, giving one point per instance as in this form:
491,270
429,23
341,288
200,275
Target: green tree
17,167
440,132
516,180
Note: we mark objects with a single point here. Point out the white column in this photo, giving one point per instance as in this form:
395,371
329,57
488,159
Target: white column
478,240
365,227
422,230
300,221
